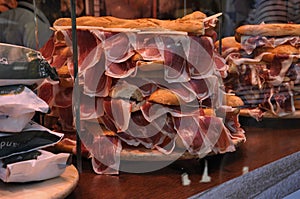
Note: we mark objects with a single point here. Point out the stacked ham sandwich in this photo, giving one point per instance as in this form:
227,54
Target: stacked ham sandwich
264,68
146,84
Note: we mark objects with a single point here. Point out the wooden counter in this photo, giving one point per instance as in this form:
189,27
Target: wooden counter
265,143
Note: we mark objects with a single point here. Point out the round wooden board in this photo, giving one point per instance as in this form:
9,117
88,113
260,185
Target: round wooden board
142,154
153,155
296,114
56,188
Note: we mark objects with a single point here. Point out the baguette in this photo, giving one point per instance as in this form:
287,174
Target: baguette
272,30
192,23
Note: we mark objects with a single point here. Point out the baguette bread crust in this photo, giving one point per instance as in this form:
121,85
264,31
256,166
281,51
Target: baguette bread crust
192,23
233,100
272,30
229,44
165,97
277,51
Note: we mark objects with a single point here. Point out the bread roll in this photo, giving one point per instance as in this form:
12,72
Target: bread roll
229,44
150,65
272,30
165,97
277,51
192,23
233,100
126,91
209,112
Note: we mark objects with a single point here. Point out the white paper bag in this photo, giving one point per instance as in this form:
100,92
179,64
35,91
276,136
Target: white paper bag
46,166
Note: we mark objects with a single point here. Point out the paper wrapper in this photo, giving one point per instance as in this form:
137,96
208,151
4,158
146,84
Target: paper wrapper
18,105
15,123
46,166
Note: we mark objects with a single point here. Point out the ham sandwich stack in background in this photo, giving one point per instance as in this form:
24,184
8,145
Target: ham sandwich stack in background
264,68
144,83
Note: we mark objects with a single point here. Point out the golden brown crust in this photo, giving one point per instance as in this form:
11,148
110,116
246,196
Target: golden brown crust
233,100
197,15
136,57
209,112
191,23
228,42
271,30
279,50
63,71
144,65
229,45
165,97
150,65
126,92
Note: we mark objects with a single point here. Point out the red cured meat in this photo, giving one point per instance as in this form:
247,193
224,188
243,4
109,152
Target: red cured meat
48,48
191,70
119,112
105,154
147,47
200,56
63,97
96,82
120,70
45,92
118,48
91,107
175,61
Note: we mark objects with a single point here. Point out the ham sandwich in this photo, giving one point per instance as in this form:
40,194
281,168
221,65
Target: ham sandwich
264,67
143,85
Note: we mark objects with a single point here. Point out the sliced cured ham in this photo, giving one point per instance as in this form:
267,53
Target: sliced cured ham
200,56
118,48
96,82
105,152
251,43
119,112
148,48
120,69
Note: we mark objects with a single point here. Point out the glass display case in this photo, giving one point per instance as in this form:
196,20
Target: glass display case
166,99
